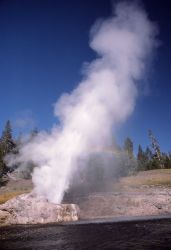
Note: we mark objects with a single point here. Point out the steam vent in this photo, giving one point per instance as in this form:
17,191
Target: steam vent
30,209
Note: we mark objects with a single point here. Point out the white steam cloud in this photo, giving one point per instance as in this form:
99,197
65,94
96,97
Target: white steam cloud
104,99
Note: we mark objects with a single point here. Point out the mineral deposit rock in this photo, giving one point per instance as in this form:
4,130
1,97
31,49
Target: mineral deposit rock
31,209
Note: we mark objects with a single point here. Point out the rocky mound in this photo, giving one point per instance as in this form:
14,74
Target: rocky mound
30,209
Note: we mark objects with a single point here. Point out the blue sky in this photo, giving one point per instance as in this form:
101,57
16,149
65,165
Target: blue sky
43,46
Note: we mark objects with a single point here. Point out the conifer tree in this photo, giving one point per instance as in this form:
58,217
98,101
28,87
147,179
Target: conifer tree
128,147
6,142
140,154
157,157
140,158
7,145
148,154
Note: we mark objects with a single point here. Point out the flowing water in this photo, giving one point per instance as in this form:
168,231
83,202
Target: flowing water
150,233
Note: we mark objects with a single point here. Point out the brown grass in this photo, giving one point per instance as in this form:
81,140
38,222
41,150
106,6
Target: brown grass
7,196
14,188
161,177
151,178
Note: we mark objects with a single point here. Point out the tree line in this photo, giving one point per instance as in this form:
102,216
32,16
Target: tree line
146,159
149,158
7,145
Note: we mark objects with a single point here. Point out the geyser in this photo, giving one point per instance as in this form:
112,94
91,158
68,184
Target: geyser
103,99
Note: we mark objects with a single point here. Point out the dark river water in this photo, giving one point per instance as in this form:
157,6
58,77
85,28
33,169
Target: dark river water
146,233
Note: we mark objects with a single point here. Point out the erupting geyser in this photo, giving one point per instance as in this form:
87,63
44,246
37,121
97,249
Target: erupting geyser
103,99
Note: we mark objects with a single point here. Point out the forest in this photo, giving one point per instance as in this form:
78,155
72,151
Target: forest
146,159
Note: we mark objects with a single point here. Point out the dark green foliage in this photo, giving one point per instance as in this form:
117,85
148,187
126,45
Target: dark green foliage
102,166
128,167
141,159
152,158
128,147
2,165
7,145
129,161
6,142
140,154
157,157
166,159
148,153
144,158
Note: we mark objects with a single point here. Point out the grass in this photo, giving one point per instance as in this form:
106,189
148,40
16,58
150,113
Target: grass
151,178
9,195
161,177
12,188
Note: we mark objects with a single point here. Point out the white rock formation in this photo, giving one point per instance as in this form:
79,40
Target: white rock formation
30,209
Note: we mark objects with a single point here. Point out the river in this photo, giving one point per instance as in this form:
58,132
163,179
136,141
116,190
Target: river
149,233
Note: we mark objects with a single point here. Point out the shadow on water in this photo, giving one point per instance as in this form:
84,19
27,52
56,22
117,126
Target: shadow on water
149,233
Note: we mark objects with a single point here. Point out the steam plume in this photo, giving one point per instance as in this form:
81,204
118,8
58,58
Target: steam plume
103,99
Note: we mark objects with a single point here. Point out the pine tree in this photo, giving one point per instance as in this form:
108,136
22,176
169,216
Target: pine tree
140,159
148,154
140,154
1,163
129,161
166,160
128,147
7,145
6,142
157,157
151,162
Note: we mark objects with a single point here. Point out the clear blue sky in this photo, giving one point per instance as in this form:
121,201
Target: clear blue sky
42,47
